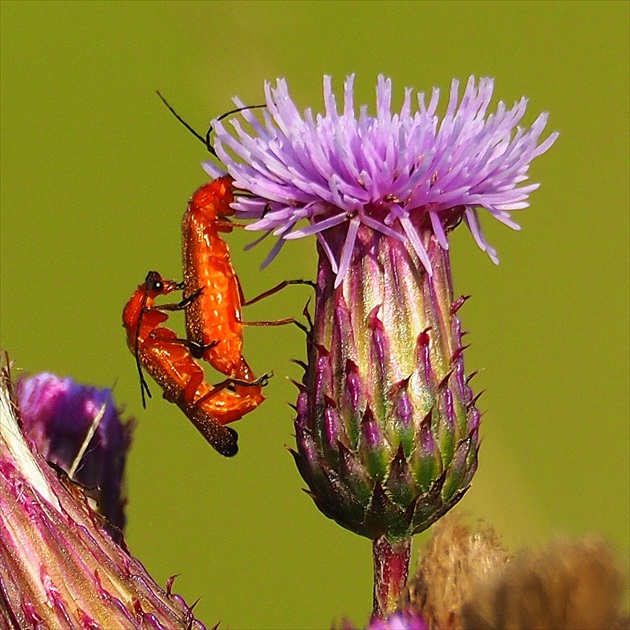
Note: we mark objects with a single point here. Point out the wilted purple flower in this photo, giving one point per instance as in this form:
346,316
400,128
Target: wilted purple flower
386,427
59,568
77,427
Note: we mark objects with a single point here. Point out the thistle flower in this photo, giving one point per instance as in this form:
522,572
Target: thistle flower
77,428
59,568
398,174
386,427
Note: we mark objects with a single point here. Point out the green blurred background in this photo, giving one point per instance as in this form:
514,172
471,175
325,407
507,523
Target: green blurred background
96,174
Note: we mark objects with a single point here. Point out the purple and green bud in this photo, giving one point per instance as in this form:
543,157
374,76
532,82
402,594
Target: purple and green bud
59,566
387,428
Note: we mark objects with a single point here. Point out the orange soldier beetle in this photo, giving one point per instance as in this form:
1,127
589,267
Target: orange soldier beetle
171,364
216,314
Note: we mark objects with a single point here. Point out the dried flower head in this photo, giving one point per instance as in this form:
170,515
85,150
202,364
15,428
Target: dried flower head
465,580
565,585
453,563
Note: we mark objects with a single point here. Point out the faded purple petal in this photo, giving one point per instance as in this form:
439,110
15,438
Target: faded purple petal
77,427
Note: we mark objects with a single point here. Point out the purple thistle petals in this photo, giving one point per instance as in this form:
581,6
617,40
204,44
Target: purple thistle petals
214,170
345,166
273,253
438,230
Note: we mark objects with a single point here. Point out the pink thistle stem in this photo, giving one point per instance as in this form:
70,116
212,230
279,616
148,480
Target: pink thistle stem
391,570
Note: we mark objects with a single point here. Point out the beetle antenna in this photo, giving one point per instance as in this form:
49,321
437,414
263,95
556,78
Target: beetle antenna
206,139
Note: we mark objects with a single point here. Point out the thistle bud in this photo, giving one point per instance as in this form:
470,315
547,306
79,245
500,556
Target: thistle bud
387,428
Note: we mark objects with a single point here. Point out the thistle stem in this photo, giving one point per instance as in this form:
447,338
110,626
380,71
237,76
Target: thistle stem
391,570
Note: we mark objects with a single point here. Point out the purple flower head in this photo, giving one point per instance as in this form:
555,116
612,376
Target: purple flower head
395,173
77,427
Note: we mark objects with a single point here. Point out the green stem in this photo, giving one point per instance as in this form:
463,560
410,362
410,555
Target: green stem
391,570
